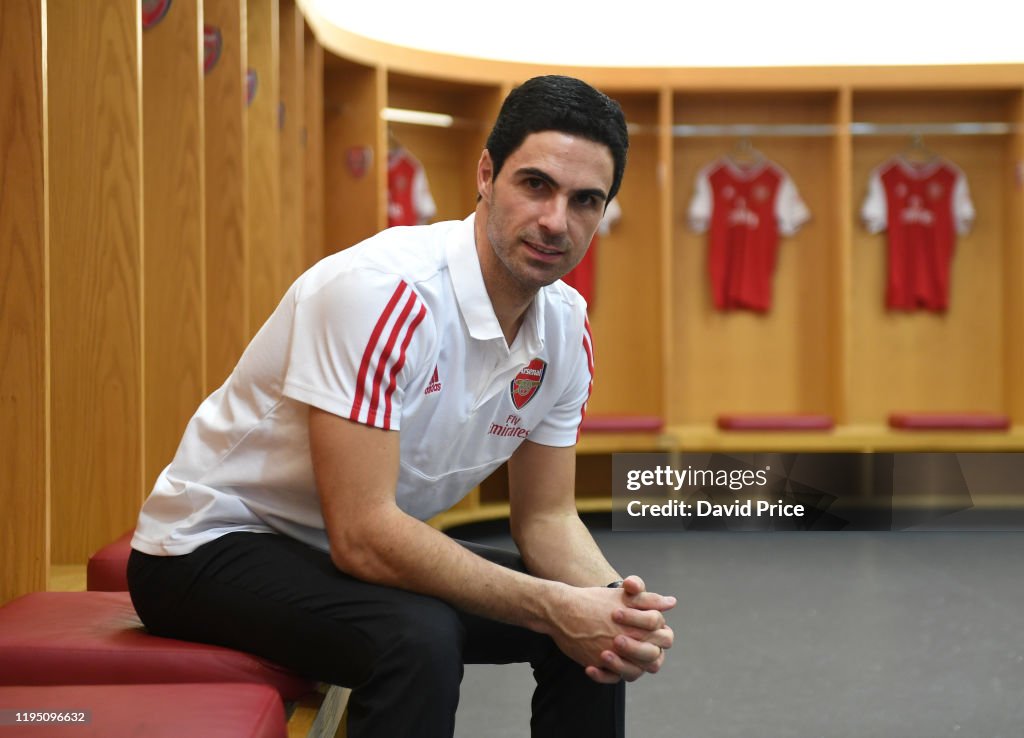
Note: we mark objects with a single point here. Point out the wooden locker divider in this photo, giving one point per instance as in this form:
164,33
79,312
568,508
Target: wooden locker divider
24,414
741,361
840,269
919,360
667,186
264,163
174,357
293,112
227,193
354,204
95,193
313,149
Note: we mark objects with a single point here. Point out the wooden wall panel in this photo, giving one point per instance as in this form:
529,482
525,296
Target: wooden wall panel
264,163
625,312
227,194
293,112
354,202
95,194
24,493
313,167
173,286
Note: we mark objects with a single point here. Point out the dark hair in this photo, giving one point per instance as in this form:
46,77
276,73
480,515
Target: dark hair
565,104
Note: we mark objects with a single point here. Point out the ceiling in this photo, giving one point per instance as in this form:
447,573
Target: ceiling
740,33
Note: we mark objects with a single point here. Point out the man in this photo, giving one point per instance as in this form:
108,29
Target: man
394,377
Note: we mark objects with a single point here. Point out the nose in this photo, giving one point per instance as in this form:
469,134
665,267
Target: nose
554,218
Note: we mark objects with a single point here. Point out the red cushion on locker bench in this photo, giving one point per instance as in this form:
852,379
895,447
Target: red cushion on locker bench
107,568
150,710
765,421
96,638
622,424
949,421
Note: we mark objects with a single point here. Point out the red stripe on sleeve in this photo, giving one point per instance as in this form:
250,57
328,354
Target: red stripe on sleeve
371,347
385,355
399,364
588,347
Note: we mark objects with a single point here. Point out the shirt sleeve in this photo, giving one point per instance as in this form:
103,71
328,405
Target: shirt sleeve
354,346
963,208
701,204
790,210
422,200
874,212
561,426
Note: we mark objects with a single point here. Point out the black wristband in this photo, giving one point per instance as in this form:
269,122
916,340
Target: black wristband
617,584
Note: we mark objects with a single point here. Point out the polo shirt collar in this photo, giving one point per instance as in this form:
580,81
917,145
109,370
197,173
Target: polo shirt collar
474,303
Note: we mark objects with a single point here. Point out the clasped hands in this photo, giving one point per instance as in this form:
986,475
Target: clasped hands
640,646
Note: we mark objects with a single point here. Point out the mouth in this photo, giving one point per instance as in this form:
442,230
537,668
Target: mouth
544,253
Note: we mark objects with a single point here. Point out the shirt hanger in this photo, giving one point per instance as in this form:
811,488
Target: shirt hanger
744,154
916,152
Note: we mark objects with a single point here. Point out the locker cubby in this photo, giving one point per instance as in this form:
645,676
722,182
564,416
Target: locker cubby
920,360
783,360
449,155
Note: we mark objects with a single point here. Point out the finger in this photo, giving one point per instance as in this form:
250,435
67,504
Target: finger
642,653
642,619
633,585
625,668
651,601
602,676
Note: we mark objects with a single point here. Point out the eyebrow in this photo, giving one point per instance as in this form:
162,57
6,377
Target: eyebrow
541,174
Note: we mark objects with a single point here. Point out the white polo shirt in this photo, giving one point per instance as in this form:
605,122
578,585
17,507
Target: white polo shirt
396,332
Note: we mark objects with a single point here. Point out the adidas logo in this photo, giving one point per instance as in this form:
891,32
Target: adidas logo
435,384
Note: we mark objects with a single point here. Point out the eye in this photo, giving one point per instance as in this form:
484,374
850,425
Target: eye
586,200
535,183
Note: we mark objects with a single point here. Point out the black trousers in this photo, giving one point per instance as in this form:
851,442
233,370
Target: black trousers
401,653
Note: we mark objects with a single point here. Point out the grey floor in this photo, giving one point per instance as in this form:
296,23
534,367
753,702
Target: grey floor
803,635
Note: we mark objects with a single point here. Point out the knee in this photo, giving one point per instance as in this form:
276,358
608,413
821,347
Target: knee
429,637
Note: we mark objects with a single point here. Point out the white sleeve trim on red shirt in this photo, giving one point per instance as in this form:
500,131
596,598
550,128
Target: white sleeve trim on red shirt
790,210
422,200
702,203
874,211
963,208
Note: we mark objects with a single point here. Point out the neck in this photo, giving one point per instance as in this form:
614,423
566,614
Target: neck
508,299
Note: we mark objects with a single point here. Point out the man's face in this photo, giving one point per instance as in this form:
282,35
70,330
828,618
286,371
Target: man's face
543,208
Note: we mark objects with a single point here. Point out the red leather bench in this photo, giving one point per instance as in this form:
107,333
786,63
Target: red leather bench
51,638
150,710
107,568
775,422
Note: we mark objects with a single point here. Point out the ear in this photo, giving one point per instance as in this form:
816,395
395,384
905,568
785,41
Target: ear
485,175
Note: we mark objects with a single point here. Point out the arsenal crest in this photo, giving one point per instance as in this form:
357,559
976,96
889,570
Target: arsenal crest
527,382
153,11
213,42
359,159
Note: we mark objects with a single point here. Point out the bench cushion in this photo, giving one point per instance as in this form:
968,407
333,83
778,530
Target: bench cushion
96,638
150,710
107,570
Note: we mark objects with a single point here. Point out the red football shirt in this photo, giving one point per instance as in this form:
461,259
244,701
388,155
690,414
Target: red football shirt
409,198
923,206
744,209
